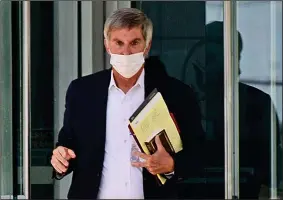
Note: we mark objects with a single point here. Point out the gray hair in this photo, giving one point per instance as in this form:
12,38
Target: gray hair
129,18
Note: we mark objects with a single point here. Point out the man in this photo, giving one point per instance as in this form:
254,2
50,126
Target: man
95,143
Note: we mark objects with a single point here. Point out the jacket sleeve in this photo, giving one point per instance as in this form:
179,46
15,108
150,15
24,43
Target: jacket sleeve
189,163
66,135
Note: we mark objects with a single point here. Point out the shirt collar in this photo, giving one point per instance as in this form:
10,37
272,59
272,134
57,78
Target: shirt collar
140,81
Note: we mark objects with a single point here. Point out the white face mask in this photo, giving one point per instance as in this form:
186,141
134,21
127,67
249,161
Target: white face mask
127,65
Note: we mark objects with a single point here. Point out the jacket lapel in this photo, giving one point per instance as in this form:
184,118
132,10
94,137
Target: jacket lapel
149,82
100,96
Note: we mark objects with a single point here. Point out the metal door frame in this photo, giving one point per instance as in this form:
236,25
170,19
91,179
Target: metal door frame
231,100
25,113
26,99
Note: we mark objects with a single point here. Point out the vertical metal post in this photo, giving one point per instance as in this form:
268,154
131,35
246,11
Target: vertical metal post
26,98
231,101
235,70
273,192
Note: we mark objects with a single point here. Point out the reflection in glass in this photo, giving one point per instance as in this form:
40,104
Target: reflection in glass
198,60
260,24
179,38
260,92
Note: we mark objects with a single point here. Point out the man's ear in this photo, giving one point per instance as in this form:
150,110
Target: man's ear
106,46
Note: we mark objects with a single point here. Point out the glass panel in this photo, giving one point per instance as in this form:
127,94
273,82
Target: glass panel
189,42
6,156
260,98
11,143
11,100
42,99
17,98
11,96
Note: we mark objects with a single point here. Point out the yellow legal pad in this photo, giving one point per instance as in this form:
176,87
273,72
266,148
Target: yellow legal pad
153,118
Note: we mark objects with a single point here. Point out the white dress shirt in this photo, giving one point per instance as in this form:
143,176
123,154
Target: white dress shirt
119,179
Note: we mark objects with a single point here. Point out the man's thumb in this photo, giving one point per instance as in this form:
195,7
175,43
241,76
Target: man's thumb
71,153
158,143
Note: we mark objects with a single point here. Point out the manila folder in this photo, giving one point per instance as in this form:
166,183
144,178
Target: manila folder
150,118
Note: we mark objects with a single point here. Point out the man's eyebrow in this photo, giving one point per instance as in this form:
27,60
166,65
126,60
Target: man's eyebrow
116,39
134,40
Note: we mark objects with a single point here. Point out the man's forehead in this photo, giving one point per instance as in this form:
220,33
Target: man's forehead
126,34
127,29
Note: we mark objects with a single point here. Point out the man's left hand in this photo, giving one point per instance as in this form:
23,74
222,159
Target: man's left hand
158,163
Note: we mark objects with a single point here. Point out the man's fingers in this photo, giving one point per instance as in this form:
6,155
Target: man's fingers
139,164
71,153
60,158
54,165
64,152
158,143
59,167
148,164
141,155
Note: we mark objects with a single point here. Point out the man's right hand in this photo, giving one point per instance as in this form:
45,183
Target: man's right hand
60,158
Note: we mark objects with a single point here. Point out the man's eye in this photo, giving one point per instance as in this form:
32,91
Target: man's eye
135,43
119,43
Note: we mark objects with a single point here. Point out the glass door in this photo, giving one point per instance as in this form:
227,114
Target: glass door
187,39
259,25
6,156
14,101
231,54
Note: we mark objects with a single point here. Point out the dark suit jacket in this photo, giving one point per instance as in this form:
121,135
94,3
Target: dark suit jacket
85,125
